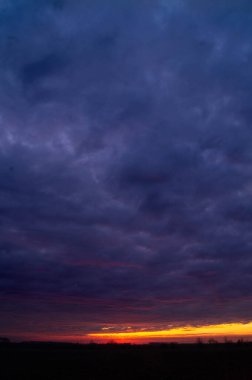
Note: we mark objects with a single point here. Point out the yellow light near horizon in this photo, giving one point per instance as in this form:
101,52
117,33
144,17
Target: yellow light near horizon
230,329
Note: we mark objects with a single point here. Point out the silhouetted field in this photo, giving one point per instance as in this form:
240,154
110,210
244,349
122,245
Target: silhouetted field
40,361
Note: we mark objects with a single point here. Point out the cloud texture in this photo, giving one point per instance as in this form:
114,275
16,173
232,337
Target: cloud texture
125,163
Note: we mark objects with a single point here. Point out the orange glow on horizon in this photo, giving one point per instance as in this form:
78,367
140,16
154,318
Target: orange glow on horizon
221,330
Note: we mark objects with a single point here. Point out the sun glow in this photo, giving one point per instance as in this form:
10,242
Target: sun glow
221,330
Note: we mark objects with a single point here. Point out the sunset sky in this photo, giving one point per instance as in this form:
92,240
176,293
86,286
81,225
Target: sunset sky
125,169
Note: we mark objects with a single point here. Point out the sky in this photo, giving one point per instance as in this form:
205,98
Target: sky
125,166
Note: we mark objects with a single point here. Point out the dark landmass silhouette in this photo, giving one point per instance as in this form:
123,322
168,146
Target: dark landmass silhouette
159,361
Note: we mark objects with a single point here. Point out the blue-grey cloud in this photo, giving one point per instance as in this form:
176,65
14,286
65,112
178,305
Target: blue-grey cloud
125,160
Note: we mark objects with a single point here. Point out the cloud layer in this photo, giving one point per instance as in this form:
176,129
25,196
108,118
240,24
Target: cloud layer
125,163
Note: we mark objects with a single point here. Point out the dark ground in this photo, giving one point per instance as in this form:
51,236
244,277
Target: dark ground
36,361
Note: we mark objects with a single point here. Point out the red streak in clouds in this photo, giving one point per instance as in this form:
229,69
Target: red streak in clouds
102,264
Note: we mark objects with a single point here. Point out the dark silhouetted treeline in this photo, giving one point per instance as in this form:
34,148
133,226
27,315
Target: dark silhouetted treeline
157,361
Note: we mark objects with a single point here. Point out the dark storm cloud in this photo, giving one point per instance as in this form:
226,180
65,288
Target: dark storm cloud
125,159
